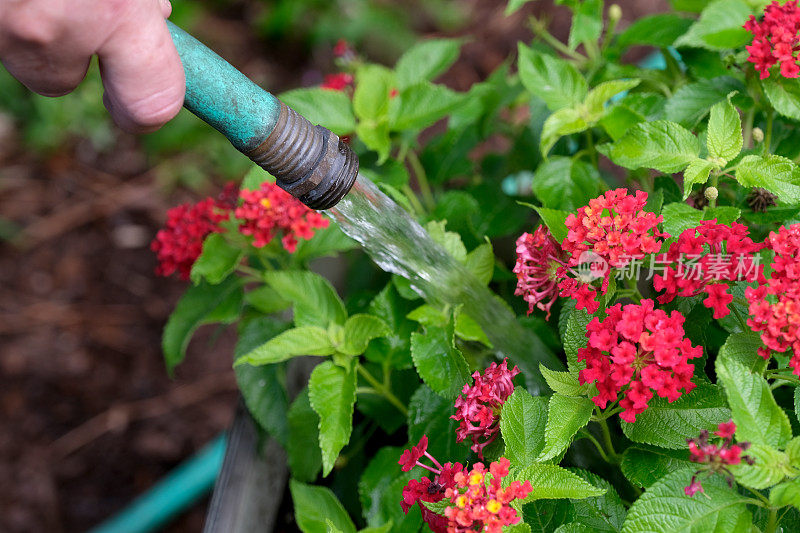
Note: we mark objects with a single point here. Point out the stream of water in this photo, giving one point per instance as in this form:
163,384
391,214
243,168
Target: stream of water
398,244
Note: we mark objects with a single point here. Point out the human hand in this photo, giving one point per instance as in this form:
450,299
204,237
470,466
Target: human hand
47,45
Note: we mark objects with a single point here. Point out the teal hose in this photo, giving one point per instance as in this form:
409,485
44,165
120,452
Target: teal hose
176,492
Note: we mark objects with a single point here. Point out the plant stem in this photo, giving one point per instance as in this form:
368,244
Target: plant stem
714,183
597,445
772,521
422,179
748,127
540,29
612,454
592,149
412,198
380,389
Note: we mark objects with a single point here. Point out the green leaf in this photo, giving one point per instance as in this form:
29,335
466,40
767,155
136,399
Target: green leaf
793,451
777,174
664,508
555,81
374,492
565,383
429,414
553,482
565,416
668,425
565,183
191,311
599,96
375,136
514,5
758,417
678,217
770,467
438,362
562,122
787,493
644,465
217,261
522,423
426,60
574,338
724,131
655,30
719,27
371,96
266,300
315,300
554,220
332,109
480,262
697,172
304,457
450,240
315,506
784,95
359,330
421,105
693,101
725,214
587,23
604,513
325,242
662,145
305,340
742,347
468,329
332,392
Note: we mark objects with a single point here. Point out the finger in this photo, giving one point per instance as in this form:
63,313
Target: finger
48,75
141,71
166,8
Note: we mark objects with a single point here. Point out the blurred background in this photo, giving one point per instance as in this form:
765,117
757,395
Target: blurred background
89,418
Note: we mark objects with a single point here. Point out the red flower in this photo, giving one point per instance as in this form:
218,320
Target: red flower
337,82
715,458
411,456
342,49
480,506
707,259
271,210
637,350
478,407
775,304
180,242
539,258
775,39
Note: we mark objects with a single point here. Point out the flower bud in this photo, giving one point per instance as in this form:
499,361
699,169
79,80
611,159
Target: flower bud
711,193
758,135
614,12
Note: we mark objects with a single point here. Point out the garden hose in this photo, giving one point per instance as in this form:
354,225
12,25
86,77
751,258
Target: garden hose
309,162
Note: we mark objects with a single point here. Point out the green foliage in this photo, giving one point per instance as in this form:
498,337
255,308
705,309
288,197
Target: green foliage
559,84
439,363
522,424
332,392
565,416
774,173
662,145
317,508
553,482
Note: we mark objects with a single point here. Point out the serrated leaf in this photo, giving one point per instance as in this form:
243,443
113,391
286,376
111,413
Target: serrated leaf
668,425
565,383
574,338
678,217
359,330
742,347
777,174
605,513
316,507
303,454
426,60
565,416
693,101
332,109
599,96
724,131
697,172
787,493
562,122
719,26
655,30
468,329
421,105
587,23
439,363
371,95
306,340
332,393
662,145
480,262
522,423
784,95
315,300
554,220
643,466
553,482
724,214
217,261
770,467
558,83
266,300
664,508
758,417
565,183
793,451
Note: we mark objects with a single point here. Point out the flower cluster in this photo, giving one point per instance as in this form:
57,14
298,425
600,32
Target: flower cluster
636,350
426,489
337,82
540,264
478,407
269,210
180,242
478,505
775,303
611,231
775,39
708,258
716,457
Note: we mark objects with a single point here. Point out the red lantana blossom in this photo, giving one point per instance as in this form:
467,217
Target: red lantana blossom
478,407
180,242
637,350
716,457
540,260
610,232
342,49
478,506
707,259
270,210
337,82
775,39
775,304
426,489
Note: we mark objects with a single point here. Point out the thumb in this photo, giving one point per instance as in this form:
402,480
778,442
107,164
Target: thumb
141,70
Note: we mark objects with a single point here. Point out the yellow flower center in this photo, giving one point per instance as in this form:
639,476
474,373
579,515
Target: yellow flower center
266,203
476,478
494,506
461,501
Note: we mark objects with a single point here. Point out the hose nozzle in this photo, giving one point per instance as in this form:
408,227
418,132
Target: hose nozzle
309,162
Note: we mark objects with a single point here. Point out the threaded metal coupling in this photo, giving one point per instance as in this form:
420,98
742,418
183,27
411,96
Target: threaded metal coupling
309,162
